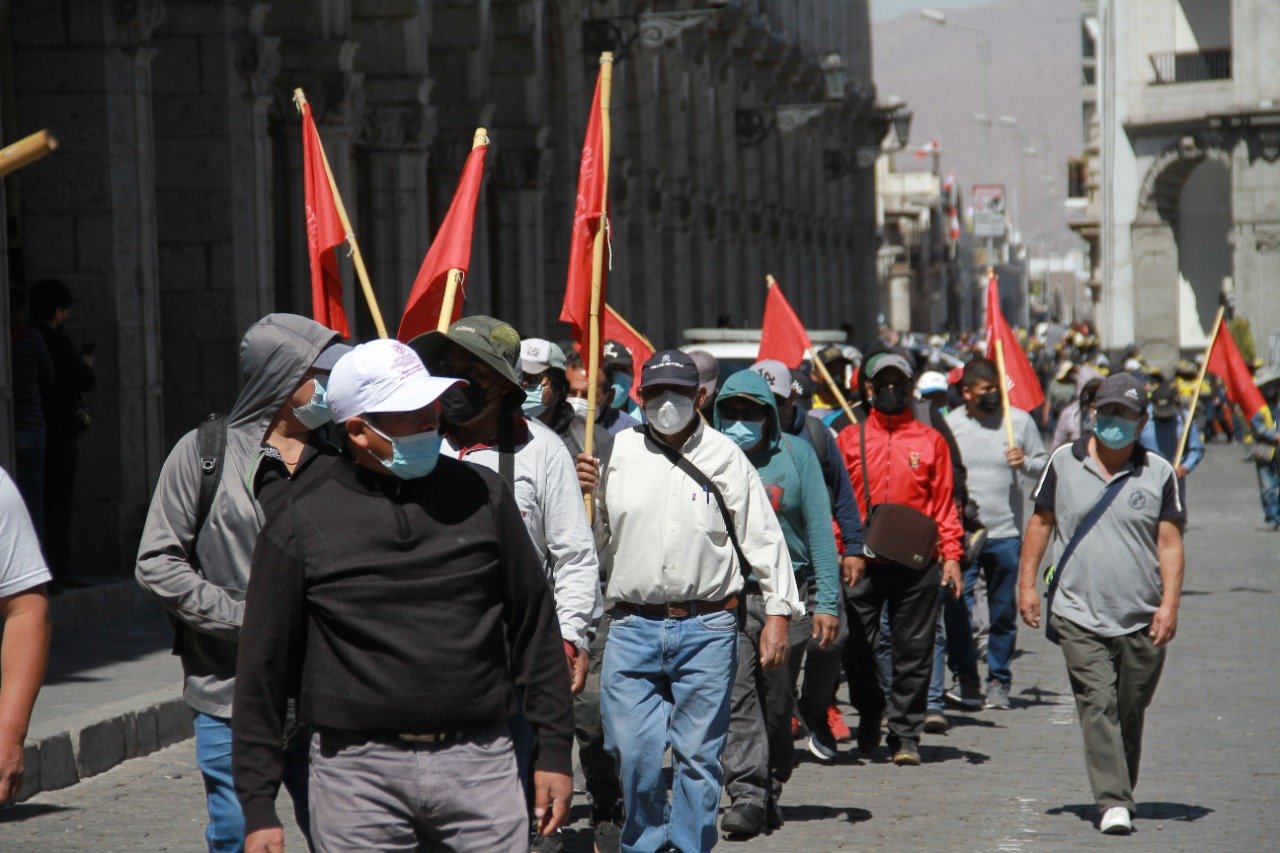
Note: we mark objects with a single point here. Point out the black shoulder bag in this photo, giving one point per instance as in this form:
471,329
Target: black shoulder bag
895,532
1053,575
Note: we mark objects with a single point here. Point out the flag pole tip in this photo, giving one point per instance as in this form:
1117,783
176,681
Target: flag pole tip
607,56
299,98
481,137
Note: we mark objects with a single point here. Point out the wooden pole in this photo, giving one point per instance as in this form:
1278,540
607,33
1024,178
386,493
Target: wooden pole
597,266
1195,395
770,281
1004,392
26,151
453,282
356,257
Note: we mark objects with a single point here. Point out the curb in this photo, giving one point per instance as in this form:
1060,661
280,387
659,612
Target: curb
91,743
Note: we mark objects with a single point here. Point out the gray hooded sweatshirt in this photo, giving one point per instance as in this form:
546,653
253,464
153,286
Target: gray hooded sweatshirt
209,600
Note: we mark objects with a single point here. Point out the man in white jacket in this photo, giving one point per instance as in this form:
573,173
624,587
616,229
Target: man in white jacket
675,582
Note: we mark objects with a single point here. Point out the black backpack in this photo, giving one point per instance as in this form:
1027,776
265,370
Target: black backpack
211,446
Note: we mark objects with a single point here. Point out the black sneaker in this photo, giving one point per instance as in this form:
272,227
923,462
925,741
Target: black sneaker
868,733
965,693
907,754
743,819
774,815
553,843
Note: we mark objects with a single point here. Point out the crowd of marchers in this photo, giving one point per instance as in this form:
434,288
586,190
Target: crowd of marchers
407,577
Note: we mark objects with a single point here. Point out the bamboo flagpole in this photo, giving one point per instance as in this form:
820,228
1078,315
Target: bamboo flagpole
1004,392
453,282
1195,395
831,383
299,98
597,266
26,151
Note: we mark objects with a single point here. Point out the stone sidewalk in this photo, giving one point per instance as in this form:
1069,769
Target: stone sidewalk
1011,781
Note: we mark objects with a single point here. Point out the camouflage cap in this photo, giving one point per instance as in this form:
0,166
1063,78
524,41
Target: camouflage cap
494,342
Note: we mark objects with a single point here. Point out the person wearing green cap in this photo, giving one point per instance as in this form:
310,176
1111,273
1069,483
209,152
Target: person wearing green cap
483,423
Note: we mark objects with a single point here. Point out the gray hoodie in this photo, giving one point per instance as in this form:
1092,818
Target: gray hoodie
209,600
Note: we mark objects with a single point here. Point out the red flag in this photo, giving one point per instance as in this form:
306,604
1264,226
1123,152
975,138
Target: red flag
1024,385
589,214
324,231
782,335
451,249
1225,360
614,328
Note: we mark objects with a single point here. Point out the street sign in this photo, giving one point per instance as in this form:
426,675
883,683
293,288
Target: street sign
988,210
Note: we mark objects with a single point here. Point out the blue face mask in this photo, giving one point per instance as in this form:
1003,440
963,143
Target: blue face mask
745,434
533,405
621,388
316,413
1115,431
412,456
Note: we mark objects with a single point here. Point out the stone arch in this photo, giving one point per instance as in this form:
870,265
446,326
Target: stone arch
1157,297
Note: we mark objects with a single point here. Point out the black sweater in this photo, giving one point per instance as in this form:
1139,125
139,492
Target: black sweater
401,600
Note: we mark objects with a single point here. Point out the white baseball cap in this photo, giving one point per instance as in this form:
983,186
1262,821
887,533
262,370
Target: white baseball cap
931,382
537,354
777,374
382,376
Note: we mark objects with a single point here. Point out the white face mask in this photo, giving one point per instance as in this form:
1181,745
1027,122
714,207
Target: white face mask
669,412
579,405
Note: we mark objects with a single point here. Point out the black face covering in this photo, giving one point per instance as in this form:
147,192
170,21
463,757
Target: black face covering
890,400
989,403
463,405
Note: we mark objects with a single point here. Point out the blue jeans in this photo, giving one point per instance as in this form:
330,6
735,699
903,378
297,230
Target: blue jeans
225,832
1269,489
884,657
998,562
667,683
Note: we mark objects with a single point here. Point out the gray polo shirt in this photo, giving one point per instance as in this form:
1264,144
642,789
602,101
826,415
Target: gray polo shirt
1112,585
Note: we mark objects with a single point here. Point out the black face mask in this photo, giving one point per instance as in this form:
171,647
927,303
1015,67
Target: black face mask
989,403
463,405
890,400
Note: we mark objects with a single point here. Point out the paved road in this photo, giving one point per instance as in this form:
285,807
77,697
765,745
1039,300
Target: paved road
1011,781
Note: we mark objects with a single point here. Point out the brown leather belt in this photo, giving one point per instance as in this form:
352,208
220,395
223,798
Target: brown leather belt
675,609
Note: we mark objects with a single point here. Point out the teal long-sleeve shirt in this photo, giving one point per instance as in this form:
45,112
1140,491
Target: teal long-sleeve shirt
792,478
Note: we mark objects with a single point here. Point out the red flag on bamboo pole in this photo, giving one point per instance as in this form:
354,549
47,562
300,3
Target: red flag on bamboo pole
589,216
450,251
1225,360
324,231
1021,379
782,335
615,328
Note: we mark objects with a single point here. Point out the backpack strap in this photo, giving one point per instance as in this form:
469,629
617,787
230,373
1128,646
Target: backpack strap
1082,529
211,446
507,453
817,434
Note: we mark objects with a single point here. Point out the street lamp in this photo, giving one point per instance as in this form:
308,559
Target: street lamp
939,17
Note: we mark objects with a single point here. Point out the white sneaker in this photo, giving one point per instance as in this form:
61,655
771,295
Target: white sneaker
1115,821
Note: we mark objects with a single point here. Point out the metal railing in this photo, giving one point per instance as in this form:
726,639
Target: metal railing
1193,66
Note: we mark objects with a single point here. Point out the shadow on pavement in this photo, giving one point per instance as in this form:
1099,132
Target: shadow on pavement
800,814
960,721
22,811
1146,811
937,754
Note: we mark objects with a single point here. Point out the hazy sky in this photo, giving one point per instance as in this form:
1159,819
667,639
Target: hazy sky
884,9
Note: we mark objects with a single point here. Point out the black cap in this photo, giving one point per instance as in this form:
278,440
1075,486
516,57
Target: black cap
617,357
670,367
1123,389
1164,400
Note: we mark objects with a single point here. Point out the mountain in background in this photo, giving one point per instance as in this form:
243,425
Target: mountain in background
1034,76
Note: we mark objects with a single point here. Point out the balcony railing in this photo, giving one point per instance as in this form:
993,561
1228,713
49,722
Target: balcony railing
1193,66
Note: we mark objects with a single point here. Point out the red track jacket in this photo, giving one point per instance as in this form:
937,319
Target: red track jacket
910,464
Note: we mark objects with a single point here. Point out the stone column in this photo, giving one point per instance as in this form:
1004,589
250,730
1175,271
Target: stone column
520,292
1255,232
91,220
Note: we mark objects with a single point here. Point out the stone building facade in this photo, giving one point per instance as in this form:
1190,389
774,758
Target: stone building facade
1183,214
174,205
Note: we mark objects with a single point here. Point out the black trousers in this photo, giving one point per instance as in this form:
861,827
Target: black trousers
59,493
912,597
